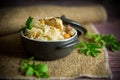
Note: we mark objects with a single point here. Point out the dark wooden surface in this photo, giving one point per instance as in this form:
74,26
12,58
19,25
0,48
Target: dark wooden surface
112,25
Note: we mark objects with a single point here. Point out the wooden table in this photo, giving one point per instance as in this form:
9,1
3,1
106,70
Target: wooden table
114,57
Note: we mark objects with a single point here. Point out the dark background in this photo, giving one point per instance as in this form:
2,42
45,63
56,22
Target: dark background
111,5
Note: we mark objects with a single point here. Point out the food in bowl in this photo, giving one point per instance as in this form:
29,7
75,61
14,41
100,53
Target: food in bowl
48,29
48,38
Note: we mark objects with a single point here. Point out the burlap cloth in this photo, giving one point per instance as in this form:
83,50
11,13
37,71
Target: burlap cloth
73,66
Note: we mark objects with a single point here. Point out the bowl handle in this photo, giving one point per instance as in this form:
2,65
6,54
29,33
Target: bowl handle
67,45
76,25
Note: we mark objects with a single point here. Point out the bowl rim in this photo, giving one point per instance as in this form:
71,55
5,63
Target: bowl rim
22,34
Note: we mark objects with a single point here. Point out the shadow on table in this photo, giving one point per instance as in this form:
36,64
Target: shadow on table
10,45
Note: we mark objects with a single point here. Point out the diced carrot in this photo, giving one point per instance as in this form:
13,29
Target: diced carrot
66,36
42,22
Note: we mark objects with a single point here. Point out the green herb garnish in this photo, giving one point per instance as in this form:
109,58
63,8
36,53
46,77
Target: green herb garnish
29,68
95,42
89,49
28,24
111,43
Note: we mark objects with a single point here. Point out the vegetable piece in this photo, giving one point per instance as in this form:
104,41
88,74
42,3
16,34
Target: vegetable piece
29,69
104,40
89,49
97,42
112,44
42,22
66,36
68,28
41,68
28,24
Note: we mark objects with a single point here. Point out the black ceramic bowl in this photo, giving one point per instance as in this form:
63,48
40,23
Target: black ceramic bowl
51,50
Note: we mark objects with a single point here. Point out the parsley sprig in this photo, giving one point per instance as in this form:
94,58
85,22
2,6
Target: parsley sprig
28,24
95,42
30,68
111,42
90,49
